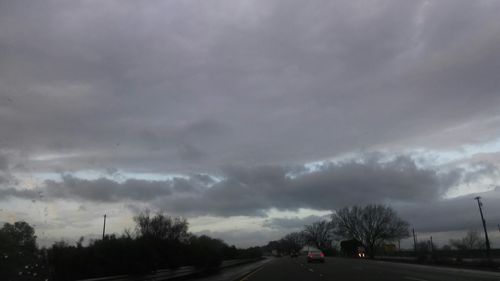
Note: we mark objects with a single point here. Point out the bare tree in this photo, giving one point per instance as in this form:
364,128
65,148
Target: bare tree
471,241
320,233
372,225
425,248
293,242
161,227
446,247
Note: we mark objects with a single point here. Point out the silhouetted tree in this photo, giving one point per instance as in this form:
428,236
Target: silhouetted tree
230,252
159,242
19,256
275,246
350,247
446,248
426,250
372,225
249,253
471,241
292,242
206,251
320,234
161,227
20,234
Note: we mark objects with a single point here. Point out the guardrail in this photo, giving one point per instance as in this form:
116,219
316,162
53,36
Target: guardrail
169,274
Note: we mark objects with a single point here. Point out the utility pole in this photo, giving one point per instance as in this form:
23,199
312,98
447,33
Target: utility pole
414,241
478,198
432,246
104,227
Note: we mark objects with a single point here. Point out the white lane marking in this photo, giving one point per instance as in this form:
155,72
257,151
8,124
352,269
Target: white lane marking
320,275
415,279
310,269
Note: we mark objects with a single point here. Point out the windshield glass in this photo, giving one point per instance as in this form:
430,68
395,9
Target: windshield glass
188,138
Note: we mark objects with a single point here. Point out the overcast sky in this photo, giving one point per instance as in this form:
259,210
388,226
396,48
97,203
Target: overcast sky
250,118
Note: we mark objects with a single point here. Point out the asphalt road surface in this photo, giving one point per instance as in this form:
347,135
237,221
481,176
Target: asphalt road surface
338,269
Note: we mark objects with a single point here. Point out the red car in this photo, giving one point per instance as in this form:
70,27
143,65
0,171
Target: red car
315,256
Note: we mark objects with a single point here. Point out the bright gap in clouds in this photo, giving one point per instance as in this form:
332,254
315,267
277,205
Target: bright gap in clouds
429,157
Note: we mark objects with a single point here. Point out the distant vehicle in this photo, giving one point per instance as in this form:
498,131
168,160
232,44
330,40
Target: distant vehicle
294,254
361,252
352,248
315,256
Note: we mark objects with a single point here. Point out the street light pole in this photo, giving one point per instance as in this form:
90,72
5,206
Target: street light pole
104,227
432,246
478,198
414,241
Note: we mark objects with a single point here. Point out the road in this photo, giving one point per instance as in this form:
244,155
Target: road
339,269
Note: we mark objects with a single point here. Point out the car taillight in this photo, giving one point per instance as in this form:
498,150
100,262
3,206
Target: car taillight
322,255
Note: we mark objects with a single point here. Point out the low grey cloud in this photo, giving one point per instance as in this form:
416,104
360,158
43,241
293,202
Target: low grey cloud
4,166
181,86
6,176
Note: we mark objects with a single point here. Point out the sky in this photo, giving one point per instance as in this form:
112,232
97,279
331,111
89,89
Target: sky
248,118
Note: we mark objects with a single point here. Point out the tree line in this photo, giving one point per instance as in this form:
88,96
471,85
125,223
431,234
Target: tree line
161,241
158,241
371,225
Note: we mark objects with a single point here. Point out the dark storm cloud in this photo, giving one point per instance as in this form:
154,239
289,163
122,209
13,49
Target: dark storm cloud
244,238
186,86
460,213
249,191
479,170
6,193
257,87
291,224
105,190
253,190
415,192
